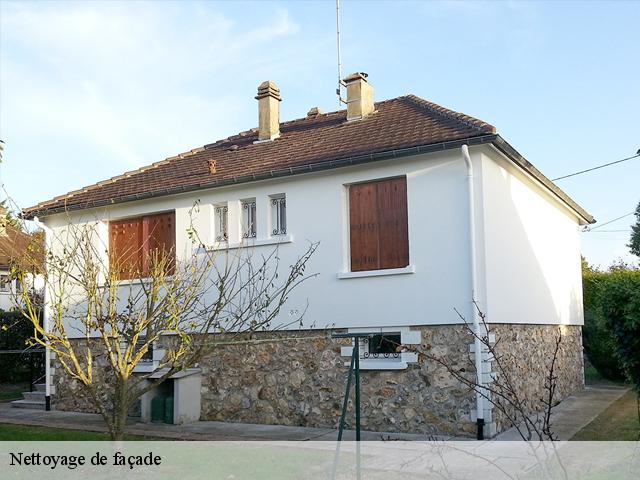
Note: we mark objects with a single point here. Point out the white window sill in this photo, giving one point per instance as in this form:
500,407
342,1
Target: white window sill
251,242
377,273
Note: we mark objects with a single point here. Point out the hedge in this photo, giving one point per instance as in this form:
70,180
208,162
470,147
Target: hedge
621,308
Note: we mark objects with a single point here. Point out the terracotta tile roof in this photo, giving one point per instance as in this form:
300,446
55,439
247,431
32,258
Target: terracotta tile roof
317,141
17,247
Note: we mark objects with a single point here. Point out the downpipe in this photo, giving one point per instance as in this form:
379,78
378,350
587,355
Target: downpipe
45,319
474,289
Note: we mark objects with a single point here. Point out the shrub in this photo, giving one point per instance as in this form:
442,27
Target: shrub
599,342
621,309
15,330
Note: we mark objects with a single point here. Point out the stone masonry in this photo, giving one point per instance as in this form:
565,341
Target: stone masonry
300,379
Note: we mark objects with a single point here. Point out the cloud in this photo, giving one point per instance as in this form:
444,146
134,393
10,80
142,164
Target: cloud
137,81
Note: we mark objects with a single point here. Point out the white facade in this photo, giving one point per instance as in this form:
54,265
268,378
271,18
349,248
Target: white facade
528,261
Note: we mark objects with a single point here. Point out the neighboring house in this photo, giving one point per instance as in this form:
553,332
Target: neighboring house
418,210
21,249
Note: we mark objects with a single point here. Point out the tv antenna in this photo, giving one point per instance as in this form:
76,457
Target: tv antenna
340,82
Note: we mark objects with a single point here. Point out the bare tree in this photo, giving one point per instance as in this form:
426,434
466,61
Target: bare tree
530,416
103,315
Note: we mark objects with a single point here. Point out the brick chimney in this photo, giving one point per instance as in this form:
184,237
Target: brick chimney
359,96
268,111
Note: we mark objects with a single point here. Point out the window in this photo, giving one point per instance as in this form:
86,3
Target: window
137,244
249,218
221,227
379,234
386,345
5,283
278,214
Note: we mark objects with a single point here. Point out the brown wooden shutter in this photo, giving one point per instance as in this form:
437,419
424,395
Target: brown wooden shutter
393,229
379,231
363,217
125,252
160,234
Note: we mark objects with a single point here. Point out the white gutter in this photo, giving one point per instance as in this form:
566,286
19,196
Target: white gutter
474,291
46,315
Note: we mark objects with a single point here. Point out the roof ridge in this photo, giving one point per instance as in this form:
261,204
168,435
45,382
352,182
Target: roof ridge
451,114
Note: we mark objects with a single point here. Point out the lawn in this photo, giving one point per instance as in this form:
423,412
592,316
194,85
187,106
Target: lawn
618,422
10,432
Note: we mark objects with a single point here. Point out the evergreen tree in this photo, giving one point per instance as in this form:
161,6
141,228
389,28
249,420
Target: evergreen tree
634,244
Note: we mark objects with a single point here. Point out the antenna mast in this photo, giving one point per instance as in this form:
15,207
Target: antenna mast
340,83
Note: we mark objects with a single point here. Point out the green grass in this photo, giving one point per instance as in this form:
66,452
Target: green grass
618,422
30,433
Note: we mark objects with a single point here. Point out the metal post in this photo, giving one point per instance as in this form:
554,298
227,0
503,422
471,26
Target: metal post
346,396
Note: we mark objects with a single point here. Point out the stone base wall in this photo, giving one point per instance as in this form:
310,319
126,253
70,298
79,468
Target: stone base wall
300,379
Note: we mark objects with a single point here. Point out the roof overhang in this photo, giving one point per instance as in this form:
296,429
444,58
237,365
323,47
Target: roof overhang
494,139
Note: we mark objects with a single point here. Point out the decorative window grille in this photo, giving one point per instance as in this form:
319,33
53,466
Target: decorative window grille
385,345
278,215
221,227
249,218
5,283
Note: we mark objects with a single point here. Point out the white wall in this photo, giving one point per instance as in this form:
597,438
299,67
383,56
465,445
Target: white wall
317,212
529,258
531,247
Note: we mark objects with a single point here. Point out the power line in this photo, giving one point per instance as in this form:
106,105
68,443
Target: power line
596,168
589,229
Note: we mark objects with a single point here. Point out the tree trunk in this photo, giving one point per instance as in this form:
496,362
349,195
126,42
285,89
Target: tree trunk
120,410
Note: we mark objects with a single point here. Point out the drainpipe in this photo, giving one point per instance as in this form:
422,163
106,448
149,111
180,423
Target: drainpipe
45,320
474,291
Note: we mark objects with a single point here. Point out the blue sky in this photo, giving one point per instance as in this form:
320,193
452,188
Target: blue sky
89,89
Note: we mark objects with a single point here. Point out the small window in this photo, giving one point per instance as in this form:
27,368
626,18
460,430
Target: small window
385,345
278,214
221,227
5,283
148,355
249,218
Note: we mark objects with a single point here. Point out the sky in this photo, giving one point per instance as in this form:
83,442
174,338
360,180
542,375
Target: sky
89,90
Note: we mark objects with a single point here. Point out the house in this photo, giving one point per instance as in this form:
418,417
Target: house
19,247
419,210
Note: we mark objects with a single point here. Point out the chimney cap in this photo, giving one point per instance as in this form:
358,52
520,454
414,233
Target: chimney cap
356,76
268,89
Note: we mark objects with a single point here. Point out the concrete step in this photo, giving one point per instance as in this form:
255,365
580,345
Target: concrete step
41,387
28,404
34,396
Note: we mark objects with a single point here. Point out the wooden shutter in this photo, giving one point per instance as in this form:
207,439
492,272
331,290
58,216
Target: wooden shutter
363,218
379,236
125,252
160,235
393,229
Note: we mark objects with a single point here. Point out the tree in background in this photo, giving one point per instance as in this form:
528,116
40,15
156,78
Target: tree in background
634,244
183,309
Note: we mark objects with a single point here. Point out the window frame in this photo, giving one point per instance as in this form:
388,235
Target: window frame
383,265
248,217
278,218
221,222
142,250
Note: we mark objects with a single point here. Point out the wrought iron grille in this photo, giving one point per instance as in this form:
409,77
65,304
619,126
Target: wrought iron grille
221,223
382,346
279,215
249,216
